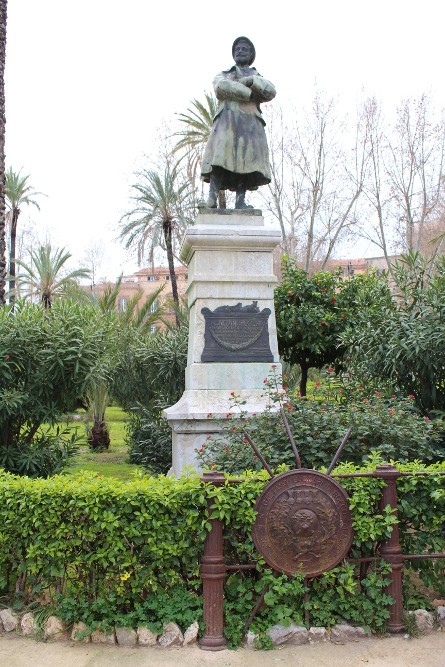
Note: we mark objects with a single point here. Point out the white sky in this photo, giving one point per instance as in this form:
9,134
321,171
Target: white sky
89,82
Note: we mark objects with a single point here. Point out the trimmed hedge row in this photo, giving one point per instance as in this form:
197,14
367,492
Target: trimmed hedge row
103,551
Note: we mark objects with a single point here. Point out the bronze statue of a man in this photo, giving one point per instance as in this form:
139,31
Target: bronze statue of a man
236,156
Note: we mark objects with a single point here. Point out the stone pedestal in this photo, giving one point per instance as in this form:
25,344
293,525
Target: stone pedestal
232,340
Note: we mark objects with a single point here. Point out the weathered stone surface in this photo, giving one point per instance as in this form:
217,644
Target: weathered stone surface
55,628
191,634
318,635
250,638
438,603
146,637
9,619
441,616
424,620
300,636
98,637
172,636
2,629
75,632
230,261
343,633
292,634
126,636
28,625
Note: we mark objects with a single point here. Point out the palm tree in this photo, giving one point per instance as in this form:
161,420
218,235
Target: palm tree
142,320
198,121
44,276
18,192
3,6
160,205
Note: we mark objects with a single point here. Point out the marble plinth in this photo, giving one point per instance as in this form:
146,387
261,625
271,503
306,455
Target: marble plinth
229,257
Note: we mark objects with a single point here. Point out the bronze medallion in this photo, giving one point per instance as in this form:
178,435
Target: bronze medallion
303,523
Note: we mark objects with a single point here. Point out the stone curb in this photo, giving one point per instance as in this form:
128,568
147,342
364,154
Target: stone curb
55,630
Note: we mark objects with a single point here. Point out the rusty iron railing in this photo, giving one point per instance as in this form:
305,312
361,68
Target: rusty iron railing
214,568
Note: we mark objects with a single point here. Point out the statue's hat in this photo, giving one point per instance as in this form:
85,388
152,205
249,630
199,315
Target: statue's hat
244,39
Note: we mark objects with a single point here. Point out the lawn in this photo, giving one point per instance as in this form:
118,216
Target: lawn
112,463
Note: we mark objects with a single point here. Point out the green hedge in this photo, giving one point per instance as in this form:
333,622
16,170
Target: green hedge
109,552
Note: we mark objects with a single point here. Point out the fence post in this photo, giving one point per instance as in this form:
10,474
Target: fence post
390,549
213,574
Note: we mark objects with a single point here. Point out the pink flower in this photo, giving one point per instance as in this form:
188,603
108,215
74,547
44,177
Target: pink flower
391,411
427,419
411,396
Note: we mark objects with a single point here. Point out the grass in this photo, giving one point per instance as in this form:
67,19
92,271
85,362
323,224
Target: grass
114,461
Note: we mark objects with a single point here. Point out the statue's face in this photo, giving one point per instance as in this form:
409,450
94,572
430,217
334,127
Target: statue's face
242,53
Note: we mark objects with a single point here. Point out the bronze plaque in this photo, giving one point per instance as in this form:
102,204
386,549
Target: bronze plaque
303,523
236,333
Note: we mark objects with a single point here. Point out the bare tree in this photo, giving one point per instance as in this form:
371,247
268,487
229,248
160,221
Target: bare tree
283,196
317,179
374,227
415,168
93,259
405,179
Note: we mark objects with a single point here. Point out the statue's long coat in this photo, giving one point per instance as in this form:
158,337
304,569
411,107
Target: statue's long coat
237,145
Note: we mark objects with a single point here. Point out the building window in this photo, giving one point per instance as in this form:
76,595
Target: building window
153,329
123,304
151,278
153,306
167,277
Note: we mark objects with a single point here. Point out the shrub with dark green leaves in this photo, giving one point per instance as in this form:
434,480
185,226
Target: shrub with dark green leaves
46,361
149,378
149,438
390,426
402,341
312,311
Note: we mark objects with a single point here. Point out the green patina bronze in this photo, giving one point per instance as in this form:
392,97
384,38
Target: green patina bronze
236,156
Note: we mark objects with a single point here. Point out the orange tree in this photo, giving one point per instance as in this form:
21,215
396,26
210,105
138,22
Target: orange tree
312,312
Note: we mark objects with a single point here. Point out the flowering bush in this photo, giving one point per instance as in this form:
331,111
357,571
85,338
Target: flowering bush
388,425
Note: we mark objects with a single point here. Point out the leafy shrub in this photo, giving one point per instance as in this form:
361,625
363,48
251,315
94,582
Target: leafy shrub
402,341
46,361
150,369
149,378
387,425
149,438
48,454
313,311
108,552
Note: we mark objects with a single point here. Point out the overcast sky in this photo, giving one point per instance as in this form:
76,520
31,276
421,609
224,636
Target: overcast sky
89,83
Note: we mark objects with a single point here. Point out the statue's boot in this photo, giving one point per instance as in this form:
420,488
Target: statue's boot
240,199
212,200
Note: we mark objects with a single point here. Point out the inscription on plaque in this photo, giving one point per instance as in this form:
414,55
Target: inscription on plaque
303,524
236,333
